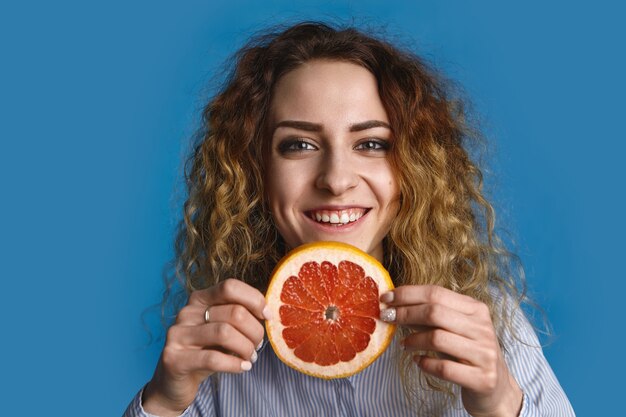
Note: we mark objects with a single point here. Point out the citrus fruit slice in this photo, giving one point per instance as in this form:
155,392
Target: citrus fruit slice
324,298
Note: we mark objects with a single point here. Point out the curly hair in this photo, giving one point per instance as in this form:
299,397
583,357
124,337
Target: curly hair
444,232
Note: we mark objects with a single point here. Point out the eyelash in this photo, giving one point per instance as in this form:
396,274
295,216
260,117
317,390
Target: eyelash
301,145
379,145
294,145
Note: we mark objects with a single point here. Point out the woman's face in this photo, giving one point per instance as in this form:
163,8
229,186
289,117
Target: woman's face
328,175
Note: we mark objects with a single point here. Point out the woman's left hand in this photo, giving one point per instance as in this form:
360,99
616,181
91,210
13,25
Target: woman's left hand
460,328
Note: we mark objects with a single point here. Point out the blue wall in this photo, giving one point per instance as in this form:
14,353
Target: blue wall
97,103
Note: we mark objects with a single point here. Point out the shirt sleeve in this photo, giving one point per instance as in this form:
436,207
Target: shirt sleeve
202,406
543,395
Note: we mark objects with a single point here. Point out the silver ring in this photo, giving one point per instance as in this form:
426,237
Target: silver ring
207,315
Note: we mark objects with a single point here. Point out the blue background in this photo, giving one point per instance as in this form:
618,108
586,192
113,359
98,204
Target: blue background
97,103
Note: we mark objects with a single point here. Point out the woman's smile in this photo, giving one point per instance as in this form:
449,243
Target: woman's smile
337,221
337,217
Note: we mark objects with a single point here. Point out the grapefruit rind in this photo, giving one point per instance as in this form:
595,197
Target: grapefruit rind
335,252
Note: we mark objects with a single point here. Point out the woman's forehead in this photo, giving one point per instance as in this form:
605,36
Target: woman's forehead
327,90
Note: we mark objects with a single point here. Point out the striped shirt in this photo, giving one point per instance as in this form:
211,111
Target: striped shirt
273,389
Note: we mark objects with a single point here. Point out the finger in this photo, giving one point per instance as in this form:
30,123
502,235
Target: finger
458,347
466,376
184,361
235,314
211,335
191,315
240,318
425,316
430,294
232,291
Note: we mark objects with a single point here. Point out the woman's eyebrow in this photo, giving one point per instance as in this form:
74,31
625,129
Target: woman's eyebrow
370,124
300,125
316,127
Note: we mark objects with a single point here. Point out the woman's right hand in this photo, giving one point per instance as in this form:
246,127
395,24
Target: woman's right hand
195,349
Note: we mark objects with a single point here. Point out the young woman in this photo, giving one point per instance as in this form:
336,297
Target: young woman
329,134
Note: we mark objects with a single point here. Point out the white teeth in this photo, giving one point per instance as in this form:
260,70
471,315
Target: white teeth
337,217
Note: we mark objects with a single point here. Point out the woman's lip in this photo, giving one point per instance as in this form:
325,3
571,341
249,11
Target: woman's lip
351,212
335,227
332,208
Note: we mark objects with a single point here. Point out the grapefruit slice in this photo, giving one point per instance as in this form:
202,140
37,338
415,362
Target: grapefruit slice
324,302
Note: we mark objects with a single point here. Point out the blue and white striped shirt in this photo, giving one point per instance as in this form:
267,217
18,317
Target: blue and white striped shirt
273,389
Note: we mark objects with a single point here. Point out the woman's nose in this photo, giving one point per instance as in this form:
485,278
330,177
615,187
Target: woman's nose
337,173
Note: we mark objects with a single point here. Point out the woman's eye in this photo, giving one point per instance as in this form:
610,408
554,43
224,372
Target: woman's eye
373,145
295,145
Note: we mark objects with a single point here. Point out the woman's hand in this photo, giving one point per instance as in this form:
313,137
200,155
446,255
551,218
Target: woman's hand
195,348
460,328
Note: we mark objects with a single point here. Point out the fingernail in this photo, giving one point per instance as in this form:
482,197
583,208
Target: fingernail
388,314
417,359
408,348
246,365
254,357
267,313
260,345
387,297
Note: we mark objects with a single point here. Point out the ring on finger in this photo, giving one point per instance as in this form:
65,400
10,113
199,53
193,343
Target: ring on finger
207,315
